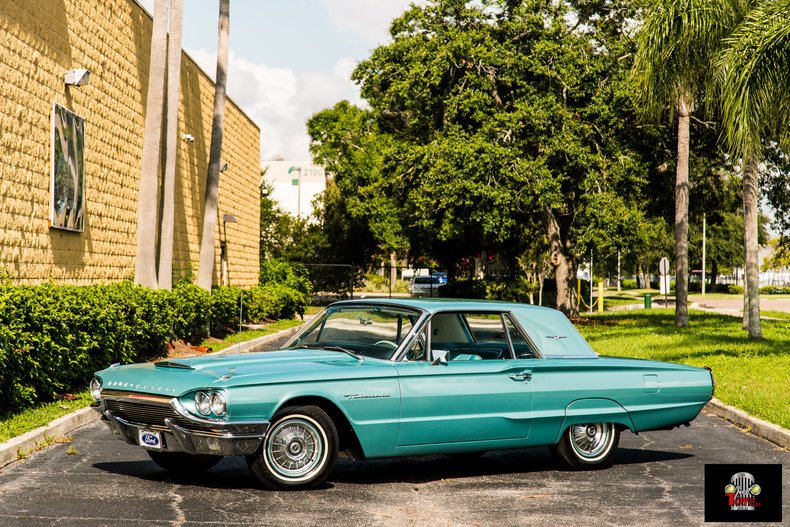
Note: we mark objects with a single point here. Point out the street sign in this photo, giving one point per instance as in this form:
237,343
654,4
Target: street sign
663,269
663,266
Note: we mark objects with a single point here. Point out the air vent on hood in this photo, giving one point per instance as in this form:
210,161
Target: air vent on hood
173,364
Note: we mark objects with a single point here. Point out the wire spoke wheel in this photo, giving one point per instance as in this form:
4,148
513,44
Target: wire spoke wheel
588,446
298,451
592,439
295,447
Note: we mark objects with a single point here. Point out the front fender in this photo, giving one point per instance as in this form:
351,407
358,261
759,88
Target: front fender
594,410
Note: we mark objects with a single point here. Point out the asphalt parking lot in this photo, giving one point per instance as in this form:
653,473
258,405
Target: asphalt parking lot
657,480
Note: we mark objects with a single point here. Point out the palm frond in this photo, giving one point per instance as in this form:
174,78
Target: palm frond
754,79
676,46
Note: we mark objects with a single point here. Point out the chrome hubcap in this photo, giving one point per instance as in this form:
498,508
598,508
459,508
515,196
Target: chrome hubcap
591,440
295,448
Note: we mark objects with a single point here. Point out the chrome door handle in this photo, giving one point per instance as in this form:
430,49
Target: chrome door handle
526,377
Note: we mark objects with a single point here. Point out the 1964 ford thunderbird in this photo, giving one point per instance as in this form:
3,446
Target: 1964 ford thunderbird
383,378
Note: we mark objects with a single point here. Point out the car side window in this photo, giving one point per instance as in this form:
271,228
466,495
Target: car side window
470,336
521,347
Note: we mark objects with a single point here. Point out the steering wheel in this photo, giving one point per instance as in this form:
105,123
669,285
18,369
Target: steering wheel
387,343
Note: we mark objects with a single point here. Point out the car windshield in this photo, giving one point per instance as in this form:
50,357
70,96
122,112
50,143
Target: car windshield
367,330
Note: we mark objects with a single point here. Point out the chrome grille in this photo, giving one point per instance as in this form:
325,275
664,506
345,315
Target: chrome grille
152,415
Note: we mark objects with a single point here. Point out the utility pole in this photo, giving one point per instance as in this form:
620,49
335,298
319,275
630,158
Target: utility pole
591,280
703,254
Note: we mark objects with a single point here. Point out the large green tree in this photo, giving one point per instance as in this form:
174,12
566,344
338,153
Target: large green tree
502,114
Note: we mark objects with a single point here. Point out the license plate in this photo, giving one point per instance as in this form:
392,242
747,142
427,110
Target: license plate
151,439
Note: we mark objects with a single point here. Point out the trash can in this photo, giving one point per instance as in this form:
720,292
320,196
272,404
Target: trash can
648,301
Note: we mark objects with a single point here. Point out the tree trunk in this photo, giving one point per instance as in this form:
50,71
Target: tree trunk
206,266
145,261
750,219
714,272
682,216
165,274
564,269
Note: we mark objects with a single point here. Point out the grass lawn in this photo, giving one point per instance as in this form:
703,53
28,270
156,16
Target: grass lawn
30,419
751,375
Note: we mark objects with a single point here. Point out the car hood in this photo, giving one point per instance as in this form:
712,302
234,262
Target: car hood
179,376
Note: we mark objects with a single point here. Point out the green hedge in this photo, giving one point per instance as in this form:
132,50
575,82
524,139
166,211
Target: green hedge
53,337
775,290
629,284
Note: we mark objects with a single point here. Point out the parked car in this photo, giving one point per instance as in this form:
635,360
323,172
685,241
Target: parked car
385,377
426,285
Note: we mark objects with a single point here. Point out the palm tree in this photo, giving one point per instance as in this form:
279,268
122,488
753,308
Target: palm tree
165,273
145,263
676,46
206,264
755,108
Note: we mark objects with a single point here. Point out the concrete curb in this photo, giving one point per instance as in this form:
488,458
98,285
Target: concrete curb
9,451
259,344
768,431
29,441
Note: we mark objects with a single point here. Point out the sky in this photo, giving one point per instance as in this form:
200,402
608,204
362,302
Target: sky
288,58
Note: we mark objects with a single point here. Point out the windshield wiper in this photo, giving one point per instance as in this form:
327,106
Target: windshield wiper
334,348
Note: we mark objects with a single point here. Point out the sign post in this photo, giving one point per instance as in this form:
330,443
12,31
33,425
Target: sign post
663,270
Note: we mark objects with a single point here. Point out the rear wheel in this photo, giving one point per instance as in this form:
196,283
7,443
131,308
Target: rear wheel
298,451
183,464
588,446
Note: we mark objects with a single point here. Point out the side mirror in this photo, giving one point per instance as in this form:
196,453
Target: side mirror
439,357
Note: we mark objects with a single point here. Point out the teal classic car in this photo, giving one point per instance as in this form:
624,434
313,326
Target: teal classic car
380,378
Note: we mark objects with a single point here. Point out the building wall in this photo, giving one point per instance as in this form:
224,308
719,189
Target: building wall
39,41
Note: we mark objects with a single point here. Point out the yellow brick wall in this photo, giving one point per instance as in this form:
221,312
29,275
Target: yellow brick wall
39,41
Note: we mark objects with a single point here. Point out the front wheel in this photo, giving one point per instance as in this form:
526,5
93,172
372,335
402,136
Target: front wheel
298,451
588,446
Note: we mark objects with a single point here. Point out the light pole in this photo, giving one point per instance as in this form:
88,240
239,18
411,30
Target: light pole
226,218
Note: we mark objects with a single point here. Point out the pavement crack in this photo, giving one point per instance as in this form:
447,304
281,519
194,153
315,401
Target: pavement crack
176,504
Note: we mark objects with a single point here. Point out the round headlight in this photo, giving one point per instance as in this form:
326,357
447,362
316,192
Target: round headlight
217,404
203,403
95,387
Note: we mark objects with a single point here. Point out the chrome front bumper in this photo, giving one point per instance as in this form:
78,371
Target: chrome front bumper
126,414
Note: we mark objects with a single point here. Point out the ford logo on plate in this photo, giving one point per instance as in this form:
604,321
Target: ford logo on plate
150,439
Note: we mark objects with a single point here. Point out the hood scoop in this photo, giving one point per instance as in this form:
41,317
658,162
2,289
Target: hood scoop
173,364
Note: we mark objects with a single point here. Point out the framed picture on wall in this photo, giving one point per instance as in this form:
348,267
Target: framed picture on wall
67,184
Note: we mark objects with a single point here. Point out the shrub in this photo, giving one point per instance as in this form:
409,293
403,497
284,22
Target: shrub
53,337
191,311
733,289
224,309
629,284
775,290
292,274
274,301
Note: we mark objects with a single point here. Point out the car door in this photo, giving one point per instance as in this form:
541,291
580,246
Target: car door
474,390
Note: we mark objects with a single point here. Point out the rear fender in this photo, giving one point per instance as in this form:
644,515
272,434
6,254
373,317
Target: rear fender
583,411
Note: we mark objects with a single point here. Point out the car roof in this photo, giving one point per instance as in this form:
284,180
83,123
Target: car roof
433,305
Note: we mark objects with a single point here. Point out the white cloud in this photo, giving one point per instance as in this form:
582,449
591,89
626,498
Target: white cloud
280,101
369,19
